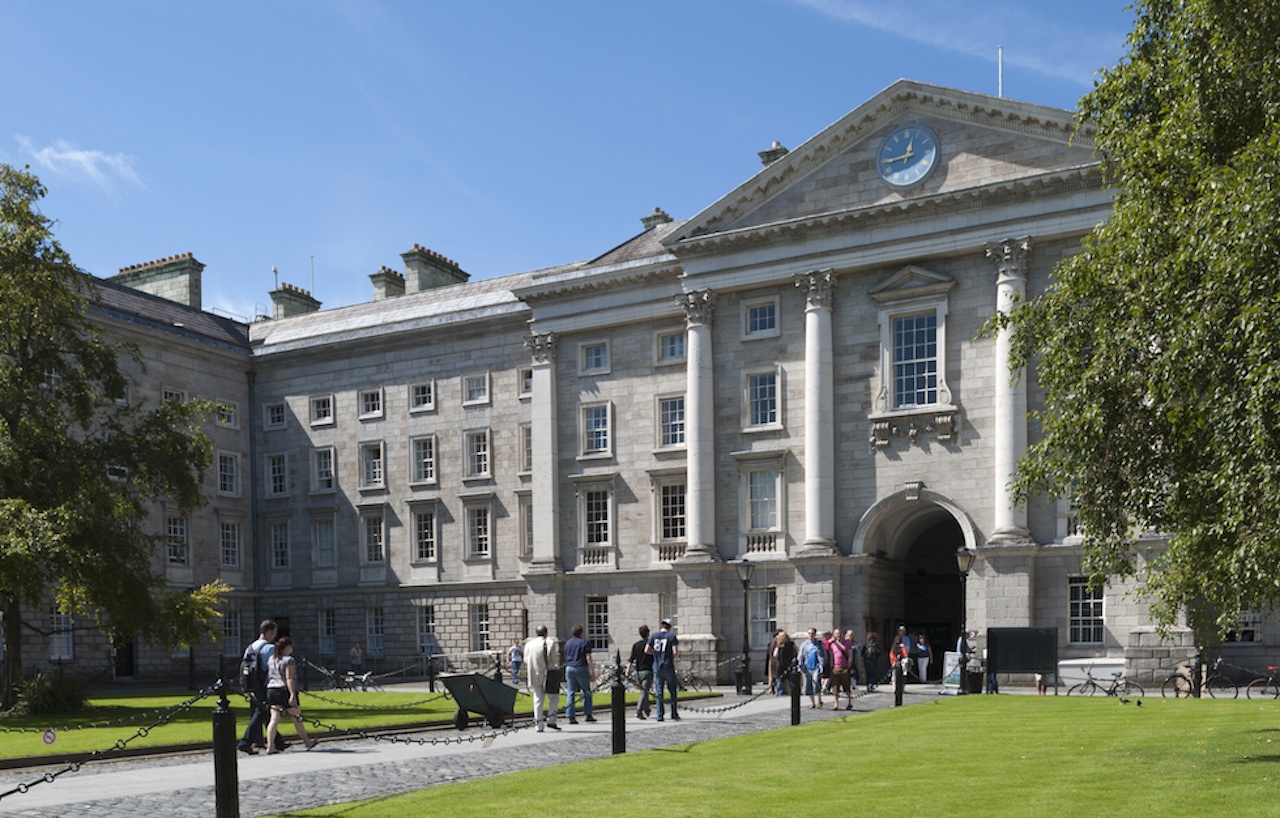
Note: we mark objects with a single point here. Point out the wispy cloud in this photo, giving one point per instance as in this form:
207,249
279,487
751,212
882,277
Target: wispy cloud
106,171
1055,45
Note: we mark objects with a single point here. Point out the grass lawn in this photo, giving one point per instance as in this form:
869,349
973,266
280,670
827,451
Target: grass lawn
124,714
965,756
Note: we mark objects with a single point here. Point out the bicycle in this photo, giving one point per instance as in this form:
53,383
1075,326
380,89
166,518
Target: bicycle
1119,687
1266,687
350,680
1219,686
605,678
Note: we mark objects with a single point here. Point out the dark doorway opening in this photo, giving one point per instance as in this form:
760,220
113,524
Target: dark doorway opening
931,589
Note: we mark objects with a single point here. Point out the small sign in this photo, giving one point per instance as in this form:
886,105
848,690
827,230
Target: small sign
50,736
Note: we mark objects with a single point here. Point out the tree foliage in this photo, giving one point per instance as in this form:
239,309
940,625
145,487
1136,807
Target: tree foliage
77,467
1158,347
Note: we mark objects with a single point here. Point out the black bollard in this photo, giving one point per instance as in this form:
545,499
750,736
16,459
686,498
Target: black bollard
899,683
793,679
618,708
226,776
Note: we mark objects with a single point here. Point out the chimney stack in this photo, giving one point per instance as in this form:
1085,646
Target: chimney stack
775,152
289,301
176,278
387,283
426,270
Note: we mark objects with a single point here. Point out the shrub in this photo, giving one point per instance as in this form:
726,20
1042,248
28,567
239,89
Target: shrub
48,694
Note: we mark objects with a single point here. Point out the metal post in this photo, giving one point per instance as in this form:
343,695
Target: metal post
1195,673
793,677
618,707
899,683
226,779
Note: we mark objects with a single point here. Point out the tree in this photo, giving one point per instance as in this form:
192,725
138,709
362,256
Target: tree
1158,347
78,468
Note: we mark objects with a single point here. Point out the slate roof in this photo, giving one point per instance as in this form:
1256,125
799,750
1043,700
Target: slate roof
136,307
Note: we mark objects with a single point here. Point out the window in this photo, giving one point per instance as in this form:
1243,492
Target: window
1085,615
667,607
760,319
229,474
526,447
427,644
231,634
370,404
479,615
596,516
371,539
524,382
322,469
423,452
424,535
375,632
169,393
228,415
371,465
595,429
179,542
593,358
598,622
1248,627
670,347
475,390
915,360
322,542
476,454
273,416
229,539
328,628
322,410
277,475
526,525
478,531
671,510
278,537
422,397
671,421
763,614
762,400
762,498
61,643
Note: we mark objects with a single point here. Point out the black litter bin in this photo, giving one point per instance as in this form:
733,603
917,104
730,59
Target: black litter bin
973,681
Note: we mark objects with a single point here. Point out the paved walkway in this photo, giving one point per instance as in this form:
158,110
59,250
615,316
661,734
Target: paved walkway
346,770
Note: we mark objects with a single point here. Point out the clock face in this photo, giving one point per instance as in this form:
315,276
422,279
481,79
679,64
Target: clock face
907,156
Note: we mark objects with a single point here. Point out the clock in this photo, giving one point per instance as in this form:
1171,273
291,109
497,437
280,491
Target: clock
907,156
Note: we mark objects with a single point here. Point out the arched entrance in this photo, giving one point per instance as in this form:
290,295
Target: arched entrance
914,535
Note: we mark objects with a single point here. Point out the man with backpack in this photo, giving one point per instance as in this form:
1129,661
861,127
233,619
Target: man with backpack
253,681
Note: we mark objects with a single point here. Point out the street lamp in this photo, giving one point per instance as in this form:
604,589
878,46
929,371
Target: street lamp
964,562
745,569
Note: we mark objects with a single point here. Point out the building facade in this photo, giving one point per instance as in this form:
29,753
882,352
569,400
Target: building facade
797,376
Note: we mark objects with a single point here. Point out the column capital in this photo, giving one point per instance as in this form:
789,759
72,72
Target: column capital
819,287
543,347
1010,257
699,306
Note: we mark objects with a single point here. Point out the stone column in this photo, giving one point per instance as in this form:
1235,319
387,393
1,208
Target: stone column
1010,422
819,414
700,521
546,475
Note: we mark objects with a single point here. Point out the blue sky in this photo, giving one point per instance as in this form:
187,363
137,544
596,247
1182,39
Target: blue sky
508,136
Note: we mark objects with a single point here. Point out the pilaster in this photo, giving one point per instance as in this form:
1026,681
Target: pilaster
546,477
819,414
700,530
1010,518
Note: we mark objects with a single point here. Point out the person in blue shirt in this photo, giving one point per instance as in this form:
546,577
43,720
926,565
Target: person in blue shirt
579,671
664,647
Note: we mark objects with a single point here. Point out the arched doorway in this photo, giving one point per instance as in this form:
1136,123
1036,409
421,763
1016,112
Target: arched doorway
914,535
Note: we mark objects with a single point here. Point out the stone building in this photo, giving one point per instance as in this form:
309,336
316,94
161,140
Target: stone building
795,376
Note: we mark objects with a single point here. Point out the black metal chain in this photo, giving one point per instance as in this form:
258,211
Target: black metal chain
333,728
120,744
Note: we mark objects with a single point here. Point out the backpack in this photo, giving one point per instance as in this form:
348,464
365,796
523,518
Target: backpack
253,677
871,651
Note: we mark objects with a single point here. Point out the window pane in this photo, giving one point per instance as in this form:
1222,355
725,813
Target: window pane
762,395
915,360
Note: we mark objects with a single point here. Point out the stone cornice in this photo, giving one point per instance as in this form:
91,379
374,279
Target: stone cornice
1057,183
588,281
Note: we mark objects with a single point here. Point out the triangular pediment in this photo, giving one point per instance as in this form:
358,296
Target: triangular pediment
985,143
909,283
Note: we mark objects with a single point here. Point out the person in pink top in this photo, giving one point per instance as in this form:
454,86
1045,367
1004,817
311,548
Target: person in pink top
841,666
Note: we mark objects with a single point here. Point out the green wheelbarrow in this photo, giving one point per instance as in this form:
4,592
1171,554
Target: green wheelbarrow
492,700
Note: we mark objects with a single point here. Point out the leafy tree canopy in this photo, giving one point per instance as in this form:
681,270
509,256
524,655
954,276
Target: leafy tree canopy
1158,347
78,468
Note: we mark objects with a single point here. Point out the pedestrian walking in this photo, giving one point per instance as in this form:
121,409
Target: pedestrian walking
542,667
641,663
663,646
